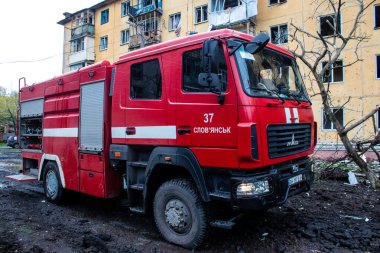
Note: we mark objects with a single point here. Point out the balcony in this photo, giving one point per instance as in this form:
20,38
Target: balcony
235,12
83,30
145,6
149,38
85,53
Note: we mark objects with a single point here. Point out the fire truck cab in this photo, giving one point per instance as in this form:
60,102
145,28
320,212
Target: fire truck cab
182,129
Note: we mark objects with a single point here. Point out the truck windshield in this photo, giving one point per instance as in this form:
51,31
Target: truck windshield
270,74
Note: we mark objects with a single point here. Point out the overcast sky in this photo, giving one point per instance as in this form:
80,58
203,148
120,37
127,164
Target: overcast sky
29,32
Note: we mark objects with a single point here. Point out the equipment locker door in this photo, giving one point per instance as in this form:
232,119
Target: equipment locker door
91,139
201,120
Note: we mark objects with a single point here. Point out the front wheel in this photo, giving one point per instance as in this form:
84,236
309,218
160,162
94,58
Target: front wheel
52,183
179,213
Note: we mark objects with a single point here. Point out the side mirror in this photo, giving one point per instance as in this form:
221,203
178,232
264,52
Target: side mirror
257,44
210,56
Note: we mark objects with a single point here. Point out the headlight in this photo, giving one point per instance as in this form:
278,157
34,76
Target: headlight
251,189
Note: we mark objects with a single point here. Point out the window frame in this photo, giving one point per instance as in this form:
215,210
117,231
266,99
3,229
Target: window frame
101,16
374,16
83,64
377,66
100,44
82,43
196,15
320,28
278,27
127,8
277,2
331,69
121,37
161,75
378,119
170,22
332,129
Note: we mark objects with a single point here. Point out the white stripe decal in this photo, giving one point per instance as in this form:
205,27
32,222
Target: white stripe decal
295,115
288,115
146,132
60,132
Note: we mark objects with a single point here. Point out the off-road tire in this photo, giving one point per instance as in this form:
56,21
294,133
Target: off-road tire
53,192
180,191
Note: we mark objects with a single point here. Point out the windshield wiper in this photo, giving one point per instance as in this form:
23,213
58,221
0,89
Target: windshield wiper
272,92
295,98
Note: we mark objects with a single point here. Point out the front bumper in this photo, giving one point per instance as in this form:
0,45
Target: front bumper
280,187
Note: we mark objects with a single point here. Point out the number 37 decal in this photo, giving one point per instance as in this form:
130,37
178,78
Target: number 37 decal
208,117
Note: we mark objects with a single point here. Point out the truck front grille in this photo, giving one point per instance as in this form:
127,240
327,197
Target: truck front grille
288,139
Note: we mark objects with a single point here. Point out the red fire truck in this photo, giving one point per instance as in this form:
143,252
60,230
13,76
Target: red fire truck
182,129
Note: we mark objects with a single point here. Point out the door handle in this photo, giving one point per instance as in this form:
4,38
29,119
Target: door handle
130,131
183,131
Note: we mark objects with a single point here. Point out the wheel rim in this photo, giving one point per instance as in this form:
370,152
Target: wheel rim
51,183
177,216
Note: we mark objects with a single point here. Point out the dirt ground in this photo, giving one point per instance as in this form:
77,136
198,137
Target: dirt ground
332,217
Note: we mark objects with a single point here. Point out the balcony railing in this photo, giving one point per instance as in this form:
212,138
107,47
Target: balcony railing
239,13
84,30
149,38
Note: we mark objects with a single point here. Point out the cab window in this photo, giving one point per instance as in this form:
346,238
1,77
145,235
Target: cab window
191,68
146,80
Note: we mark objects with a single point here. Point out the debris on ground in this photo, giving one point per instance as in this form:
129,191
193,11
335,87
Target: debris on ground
331,217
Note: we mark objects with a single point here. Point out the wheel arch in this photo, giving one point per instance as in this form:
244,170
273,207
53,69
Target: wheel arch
182,164
54,158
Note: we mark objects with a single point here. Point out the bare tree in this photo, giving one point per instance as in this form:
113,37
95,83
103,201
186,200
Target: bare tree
321,58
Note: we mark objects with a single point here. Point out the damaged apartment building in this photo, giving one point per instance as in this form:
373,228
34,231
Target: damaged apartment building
114,27
110,28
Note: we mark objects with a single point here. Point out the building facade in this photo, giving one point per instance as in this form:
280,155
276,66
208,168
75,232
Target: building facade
114,27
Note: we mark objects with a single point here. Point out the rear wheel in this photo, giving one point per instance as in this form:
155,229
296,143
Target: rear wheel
180,214
52,183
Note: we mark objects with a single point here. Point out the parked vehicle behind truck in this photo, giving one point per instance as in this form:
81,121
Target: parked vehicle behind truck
182,129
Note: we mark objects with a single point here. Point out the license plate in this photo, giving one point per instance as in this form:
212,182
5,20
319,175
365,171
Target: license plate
294,180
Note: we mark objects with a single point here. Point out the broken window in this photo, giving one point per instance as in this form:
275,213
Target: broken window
124,37
328,26
77,66
125,8
279,34
77,45
327,124
146,80
377,16
174,21
334,73
201,14
103,43
273,2
146,3
220,5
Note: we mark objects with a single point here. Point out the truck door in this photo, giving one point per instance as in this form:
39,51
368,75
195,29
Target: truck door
146,116
201,121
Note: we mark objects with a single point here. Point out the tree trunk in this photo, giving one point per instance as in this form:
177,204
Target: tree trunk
371,175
